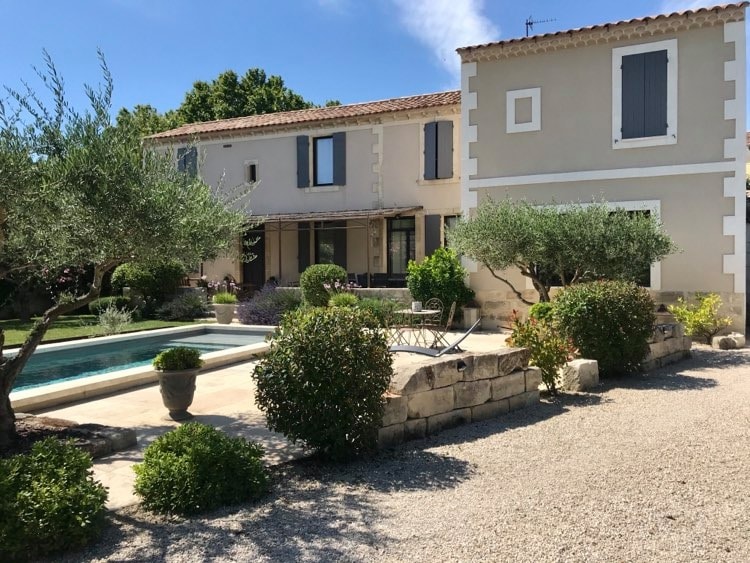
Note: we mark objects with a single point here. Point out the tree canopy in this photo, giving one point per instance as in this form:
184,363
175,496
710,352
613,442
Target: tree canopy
561,245
76,190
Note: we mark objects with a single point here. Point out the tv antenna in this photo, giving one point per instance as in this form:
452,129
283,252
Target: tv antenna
530,21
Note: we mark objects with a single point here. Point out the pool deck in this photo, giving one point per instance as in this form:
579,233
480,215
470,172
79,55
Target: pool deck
224,398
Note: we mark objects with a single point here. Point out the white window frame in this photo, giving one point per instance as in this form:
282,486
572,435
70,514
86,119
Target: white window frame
536,110
670,45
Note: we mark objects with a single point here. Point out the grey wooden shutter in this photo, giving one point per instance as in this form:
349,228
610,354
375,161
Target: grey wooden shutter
430,151
339,159
303,246
303,162
655,93
431,234
191,161
181,159
632,96
339,246
445,149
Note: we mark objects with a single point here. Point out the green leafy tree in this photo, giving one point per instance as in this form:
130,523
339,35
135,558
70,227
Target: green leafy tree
77,190
560,245
147,120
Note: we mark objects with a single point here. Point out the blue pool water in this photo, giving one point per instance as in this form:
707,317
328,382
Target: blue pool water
63,365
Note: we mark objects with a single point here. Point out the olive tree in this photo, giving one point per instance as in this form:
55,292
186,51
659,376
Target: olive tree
76,190
560,245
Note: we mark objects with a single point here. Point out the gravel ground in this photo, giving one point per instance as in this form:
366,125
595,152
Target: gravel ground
650,468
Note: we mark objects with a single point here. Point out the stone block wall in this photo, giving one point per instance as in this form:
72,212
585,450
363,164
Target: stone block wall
433,394
667,345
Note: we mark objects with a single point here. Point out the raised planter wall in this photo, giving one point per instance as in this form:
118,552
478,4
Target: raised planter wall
667,345
432,395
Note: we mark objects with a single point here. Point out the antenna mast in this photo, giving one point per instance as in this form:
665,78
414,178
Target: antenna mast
530,21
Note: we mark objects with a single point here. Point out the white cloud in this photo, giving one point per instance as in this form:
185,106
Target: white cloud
669,6
444,25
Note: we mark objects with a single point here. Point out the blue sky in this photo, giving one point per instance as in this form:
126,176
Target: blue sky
351,50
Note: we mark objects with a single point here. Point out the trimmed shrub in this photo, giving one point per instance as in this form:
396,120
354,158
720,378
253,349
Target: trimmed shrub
608,321
322,381
97,306
268,305
381,310
49,501
543,311
314,279
701,319
224,298
343,300
159,281
197,468
113,320
177,359
186,307
549,349
439,275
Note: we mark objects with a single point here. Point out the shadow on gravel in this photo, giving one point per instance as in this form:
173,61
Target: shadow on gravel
664,379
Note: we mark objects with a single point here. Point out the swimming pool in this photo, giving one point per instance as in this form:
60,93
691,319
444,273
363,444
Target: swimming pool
81,359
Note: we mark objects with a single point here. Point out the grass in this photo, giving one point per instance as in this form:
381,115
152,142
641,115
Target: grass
73,326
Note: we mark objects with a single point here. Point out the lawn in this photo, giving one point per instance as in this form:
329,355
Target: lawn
73,326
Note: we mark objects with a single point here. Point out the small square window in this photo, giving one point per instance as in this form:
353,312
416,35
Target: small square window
251,172
523,110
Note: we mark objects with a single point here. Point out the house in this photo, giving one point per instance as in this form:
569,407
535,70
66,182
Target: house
647,114
367,186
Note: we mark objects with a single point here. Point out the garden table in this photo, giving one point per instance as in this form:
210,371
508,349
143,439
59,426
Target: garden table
415,326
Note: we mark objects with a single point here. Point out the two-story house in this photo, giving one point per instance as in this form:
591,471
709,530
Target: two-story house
367,186
647,114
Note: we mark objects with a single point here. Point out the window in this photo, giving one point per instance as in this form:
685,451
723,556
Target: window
330,243
328,160
401,240
438,150
523,110
187,160
644,94
251,171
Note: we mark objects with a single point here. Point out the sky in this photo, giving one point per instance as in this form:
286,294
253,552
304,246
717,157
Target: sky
350,50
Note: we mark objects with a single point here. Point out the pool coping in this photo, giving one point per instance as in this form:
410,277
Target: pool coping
54,394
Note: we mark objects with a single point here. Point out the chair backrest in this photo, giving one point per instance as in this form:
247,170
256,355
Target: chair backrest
450,317
437,305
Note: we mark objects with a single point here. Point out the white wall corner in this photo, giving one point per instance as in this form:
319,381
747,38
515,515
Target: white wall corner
377,166
469,102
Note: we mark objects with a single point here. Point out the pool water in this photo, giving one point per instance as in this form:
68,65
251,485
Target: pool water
63,365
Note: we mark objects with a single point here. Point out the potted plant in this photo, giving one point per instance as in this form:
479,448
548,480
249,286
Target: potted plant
224,306
177,368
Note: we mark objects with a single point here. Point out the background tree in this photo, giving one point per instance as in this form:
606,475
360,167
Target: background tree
560,245
147,119
78,191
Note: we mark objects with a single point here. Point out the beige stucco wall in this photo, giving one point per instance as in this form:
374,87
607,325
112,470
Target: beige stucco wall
576,109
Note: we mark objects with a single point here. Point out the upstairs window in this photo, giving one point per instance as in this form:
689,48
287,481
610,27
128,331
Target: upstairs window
251,171
187,160
438,150
328,160
323,161
644,105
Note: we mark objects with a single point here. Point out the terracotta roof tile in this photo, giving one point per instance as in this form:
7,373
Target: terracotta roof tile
307,116
601,26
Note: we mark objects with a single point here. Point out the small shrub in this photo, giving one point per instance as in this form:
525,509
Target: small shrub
549,349
701,319
113,320
197,468
542,311
186,307
343,300
178,358
224,298
49,501
313,281
381,310
322,381
608,321
103,303
267,306
439,275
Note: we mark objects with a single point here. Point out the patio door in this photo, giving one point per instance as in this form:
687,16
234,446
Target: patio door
401,243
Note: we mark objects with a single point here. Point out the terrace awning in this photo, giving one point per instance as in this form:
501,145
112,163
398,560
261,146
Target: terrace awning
360,214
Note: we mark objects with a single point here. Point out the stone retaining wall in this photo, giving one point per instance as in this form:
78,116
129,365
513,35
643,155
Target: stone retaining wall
437,393
667,345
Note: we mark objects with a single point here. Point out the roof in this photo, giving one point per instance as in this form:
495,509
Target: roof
311,116
341,215
604,26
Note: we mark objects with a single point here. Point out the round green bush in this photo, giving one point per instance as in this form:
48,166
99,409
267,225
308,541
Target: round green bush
197,468
439,275
98,306
314,279
608,321
542,311
343,300
49,501
177,359
159,281
322,382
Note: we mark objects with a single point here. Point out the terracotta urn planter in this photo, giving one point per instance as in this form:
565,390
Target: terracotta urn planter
177,391
224,313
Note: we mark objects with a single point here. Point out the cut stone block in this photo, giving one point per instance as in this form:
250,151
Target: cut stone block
448,420
724,343
415,429
412,381
523,400
533,378
484,367
447,373
508,385
738,338
493,409
578,375
471,393
396,409
391,436
430,403
512,359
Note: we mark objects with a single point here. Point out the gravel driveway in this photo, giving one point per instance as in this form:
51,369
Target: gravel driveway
650,468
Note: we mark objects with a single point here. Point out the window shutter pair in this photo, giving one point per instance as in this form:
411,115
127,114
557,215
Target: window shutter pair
339,160
644,95
187,160
438,150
